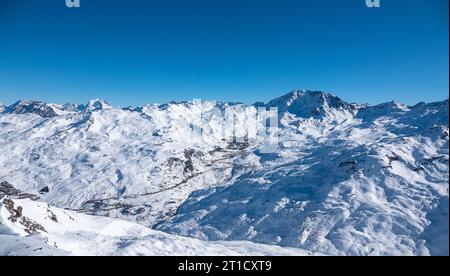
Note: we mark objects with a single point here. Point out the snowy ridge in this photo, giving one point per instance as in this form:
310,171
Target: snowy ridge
347,179
315,104
35,107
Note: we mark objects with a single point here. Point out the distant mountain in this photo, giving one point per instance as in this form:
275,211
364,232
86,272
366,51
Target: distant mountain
345,179
51,110
31,107
314,104
96,105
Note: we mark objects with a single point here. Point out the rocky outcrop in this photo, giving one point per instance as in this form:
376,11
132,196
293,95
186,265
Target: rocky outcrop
16,216
32,107
6,189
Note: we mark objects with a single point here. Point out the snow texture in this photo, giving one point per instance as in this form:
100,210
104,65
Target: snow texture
346,179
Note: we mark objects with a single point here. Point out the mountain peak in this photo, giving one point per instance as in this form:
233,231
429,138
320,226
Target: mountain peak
307,103
97,104
31,107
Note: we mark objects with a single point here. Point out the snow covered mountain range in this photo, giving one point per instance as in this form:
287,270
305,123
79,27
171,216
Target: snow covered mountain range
345,179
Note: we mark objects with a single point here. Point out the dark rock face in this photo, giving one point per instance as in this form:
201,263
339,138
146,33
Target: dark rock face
15,213
307,104
31,107
44,190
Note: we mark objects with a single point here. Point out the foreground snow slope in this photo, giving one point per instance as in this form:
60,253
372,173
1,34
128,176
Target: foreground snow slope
346,179
43,230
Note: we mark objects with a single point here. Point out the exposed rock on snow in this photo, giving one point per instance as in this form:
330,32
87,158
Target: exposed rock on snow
314,104
31,107
6,189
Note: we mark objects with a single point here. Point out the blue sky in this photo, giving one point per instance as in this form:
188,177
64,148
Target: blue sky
131,52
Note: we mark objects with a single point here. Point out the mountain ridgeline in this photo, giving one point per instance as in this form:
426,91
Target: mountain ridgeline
345,179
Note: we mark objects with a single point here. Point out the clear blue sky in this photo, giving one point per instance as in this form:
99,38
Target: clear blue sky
131,52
